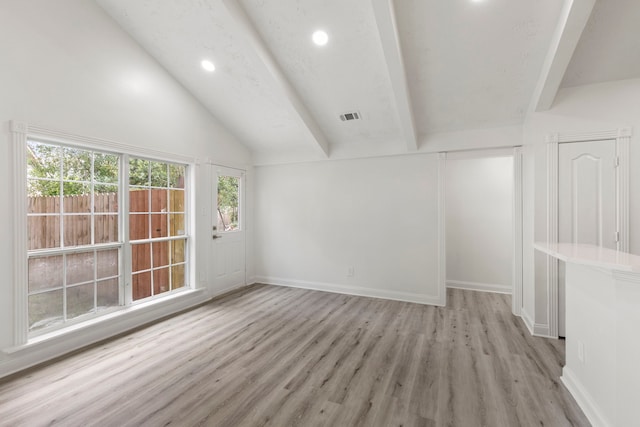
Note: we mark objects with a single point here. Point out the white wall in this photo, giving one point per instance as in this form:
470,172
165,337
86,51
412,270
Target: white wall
479,204
380,216
597,107
66,65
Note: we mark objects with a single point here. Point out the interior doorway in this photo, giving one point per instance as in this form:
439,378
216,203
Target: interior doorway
482,231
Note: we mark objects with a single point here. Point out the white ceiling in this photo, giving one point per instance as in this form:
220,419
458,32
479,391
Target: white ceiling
609,48
473,65
410,67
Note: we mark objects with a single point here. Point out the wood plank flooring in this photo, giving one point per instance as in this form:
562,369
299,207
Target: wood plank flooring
273,356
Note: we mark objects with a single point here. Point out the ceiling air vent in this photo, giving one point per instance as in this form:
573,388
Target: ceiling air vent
354,115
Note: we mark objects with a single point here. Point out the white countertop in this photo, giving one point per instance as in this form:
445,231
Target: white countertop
595,256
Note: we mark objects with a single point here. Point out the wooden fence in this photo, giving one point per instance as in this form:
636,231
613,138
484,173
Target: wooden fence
154,213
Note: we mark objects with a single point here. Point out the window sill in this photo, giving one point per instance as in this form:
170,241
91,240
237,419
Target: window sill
125,315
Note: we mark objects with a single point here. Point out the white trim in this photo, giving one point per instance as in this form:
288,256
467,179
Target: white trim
255,41
527,319
352,290
569,28
516,299
20,268
622,137
622,195
385,18
583,399
542,330
20,133
481,287
442,231
535,329
39,132
552,234
481,153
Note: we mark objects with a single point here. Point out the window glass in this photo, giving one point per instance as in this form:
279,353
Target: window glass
75,242
72,206
228,196
157,218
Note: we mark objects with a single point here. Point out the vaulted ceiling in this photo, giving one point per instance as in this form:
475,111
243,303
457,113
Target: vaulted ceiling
409,68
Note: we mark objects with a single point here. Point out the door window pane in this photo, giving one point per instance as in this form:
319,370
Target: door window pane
228,197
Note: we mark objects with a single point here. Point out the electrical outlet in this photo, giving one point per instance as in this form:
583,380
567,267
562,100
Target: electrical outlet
580,351
350,271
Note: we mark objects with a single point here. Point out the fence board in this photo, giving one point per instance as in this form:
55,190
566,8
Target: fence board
44,231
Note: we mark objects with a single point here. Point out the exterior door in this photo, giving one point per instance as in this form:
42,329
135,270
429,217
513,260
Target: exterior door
228,228
587,202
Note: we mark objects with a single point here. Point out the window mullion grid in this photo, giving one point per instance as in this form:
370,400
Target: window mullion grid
61,199
149,229
64,288
169,213
93,231
123,213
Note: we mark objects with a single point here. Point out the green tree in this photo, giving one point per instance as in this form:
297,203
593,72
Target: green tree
48,166
228,190
54,168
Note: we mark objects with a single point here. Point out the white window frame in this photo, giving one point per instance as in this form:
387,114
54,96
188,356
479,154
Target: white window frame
240,175
20,133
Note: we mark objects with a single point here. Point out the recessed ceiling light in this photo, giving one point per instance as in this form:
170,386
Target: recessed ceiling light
208,65
320,38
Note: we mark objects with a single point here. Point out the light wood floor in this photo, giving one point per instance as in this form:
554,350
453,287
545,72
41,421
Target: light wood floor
280,356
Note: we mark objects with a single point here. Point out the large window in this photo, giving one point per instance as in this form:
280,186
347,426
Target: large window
77,238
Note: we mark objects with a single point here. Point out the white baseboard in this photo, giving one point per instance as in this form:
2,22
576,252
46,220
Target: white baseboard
542,330
216,292
482,287
535,329
527,319
354,290
584,399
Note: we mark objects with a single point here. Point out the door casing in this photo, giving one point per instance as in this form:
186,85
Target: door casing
622,137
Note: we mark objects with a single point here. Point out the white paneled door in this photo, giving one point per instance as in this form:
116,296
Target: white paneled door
587,202
228,228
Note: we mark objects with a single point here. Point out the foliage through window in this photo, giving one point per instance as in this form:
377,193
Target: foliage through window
75,236
228,196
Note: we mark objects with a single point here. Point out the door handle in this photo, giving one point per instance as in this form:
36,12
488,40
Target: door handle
215,236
